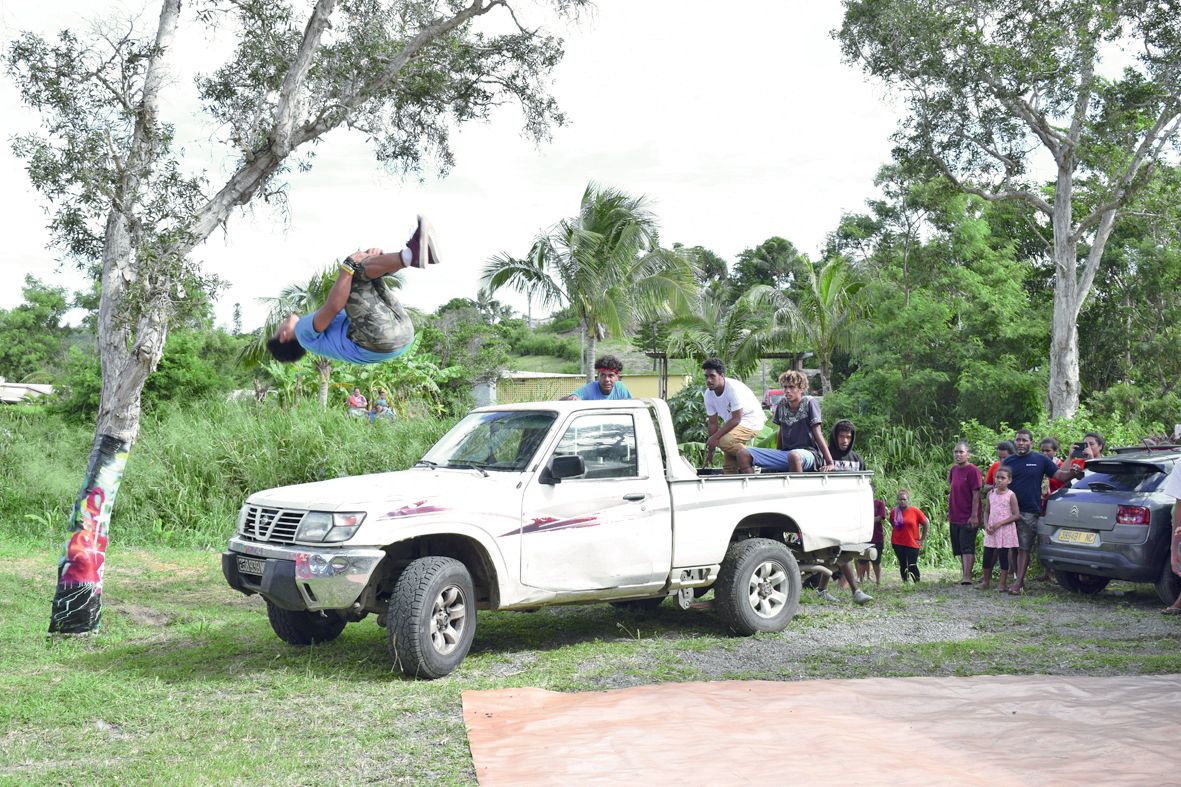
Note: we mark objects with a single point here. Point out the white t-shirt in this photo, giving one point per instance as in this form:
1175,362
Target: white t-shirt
1173,483
736,396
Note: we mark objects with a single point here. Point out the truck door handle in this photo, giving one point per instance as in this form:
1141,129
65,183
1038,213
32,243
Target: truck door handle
635,497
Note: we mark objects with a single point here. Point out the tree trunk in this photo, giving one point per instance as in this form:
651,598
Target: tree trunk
77,602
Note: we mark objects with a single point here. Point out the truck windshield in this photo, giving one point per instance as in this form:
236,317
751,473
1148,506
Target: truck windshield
504,440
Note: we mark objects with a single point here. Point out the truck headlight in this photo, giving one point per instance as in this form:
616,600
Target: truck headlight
343,527
326,527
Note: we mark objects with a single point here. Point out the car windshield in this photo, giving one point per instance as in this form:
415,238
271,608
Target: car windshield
1121,476
504,440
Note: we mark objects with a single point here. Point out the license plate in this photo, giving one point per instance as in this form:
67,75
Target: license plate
250,565
1077,537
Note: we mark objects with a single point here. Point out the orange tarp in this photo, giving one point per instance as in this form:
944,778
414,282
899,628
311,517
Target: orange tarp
984,730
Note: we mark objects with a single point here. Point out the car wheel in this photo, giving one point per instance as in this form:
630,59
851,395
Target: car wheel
758,587
432,617
1168,586
1086,584
300,627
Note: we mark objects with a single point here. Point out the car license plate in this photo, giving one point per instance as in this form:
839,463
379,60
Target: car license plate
1077,537
250,565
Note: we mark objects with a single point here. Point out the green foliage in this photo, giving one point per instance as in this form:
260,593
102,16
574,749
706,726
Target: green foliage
194,465
197,364
31,334
1116,429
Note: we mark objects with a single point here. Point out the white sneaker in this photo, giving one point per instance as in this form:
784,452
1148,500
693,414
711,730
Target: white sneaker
861,597
829,597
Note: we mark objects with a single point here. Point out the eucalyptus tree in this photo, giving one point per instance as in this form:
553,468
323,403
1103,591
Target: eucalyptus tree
129,204
605,263
1005,93
819,313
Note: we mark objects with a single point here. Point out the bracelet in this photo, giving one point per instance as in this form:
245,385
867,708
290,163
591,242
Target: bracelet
346,268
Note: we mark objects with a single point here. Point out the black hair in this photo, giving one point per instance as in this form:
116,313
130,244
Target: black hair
285,352
1098,438
1024,432
610,363
714,365
1006,445
844,425
1050,441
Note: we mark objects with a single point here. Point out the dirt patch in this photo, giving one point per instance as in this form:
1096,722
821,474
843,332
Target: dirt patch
138,614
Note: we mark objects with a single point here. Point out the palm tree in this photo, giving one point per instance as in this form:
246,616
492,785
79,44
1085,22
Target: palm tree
820,312
735,332
606,263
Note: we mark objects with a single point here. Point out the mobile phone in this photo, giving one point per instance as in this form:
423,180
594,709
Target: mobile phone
1078,450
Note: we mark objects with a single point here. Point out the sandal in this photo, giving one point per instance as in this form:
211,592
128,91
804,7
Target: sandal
1171,610
1016,591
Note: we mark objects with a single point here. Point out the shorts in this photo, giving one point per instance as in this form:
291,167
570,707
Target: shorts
775,461
963,539
377,321
1027,531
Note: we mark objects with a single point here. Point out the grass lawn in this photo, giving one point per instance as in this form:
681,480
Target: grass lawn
187,684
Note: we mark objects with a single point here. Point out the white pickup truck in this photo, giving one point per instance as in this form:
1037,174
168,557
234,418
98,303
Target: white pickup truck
528,505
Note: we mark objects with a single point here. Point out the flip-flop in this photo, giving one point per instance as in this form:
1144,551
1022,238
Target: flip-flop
1171,611
1016,591
965,582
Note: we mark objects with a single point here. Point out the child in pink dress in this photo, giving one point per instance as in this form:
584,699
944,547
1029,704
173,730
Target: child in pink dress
1000,529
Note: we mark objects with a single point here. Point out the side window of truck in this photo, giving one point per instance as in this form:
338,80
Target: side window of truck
606,443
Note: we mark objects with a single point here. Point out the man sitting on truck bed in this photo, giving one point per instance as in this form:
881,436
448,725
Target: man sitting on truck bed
801,443
744,416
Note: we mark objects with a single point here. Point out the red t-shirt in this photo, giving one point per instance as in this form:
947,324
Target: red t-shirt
990,476
905,526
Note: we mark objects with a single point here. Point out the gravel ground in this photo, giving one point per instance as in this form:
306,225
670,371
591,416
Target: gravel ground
936,628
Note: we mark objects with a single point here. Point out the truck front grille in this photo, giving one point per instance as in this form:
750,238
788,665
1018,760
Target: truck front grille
274,525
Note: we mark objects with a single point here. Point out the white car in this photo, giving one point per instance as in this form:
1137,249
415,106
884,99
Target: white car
526,505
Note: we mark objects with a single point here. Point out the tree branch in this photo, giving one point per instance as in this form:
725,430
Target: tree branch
1148,149
296,73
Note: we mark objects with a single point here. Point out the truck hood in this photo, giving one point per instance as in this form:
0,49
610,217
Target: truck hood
419,490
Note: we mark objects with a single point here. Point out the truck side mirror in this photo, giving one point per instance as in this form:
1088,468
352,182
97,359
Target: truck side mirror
562,467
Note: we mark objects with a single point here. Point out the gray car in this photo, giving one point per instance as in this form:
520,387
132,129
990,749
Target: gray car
1114,523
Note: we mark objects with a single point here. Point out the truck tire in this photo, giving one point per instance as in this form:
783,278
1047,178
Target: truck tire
432,617
298,627
758,587
1086,584
1168,586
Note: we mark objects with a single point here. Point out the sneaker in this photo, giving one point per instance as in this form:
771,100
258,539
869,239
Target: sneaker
861,597
829,597
422,245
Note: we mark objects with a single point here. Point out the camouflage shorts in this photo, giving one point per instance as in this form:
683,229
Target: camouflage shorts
377,321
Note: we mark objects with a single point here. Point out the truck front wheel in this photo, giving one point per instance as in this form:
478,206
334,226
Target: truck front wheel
758,587
297,627
432,617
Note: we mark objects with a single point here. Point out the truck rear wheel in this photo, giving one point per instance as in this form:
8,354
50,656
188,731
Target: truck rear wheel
432,617
758,587
299,627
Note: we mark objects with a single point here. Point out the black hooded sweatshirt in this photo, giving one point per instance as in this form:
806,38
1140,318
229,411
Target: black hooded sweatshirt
849,460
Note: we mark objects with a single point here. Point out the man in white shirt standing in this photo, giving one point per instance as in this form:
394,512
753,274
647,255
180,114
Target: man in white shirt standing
735,416
1173,489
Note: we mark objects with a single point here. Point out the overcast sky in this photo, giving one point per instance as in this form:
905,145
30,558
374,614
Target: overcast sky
737,120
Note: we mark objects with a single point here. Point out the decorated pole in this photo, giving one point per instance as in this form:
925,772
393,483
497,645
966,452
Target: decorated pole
77,604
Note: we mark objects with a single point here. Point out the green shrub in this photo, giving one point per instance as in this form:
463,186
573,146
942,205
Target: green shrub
192,467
